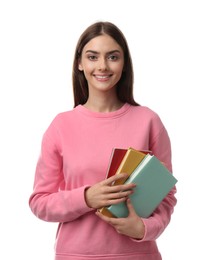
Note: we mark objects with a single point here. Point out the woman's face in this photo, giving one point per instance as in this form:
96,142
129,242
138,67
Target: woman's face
102,61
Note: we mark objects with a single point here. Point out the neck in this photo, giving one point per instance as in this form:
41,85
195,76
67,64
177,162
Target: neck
103,104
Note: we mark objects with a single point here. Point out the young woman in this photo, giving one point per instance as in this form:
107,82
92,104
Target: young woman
70,182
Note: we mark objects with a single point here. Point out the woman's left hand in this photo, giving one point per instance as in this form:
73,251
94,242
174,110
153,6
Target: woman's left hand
131,226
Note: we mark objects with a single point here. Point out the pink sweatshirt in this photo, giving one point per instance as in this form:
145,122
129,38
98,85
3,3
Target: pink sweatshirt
75,153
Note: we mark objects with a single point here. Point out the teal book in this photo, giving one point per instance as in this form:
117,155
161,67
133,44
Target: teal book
153,182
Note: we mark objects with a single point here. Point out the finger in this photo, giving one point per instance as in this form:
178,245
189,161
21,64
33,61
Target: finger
116,177
112,221
122,187
130,207
119,195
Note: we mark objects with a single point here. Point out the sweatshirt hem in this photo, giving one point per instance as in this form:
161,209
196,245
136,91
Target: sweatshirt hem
134,256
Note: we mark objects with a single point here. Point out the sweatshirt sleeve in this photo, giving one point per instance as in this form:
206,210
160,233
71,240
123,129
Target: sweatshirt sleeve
160,147
49,201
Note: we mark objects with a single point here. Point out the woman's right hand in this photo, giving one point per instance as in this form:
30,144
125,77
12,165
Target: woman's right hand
104,193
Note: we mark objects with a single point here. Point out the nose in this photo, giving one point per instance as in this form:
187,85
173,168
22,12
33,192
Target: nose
102,65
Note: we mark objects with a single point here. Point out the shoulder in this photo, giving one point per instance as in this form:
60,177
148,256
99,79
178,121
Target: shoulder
148,118
63,117
59,123
144,112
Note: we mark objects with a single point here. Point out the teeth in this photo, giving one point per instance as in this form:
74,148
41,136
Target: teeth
102,77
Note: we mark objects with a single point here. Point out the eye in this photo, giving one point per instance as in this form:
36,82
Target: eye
113,57
92,57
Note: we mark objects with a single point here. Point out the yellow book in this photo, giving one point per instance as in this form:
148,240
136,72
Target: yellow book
106,212
129,163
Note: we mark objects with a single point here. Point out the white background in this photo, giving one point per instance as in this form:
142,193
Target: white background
170,43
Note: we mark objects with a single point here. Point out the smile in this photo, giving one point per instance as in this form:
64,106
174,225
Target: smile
102,76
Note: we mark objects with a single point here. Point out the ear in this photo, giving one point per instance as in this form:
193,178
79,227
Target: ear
80,67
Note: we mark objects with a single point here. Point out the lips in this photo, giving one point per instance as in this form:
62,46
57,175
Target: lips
103,78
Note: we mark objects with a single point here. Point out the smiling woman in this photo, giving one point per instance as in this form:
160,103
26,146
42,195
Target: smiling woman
117,42
70,182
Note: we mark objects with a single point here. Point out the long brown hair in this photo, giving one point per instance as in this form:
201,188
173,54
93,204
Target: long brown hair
125,84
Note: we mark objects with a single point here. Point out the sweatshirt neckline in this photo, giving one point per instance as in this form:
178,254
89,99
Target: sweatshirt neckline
117,113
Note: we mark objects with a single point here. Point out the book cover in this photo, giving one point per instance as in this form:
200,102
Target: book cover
154,181
115,160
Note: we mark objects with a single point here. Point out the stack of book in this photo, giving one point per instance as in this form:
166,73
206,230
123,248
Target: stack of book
153,181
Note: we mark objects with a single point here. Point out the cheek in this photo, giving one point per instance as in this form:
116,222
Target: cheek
88,67
88,71
117,66
118,69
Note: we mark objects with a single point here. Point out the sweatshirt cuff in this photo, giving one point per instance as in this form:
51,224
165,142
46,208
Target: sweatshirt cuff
151,231
80,201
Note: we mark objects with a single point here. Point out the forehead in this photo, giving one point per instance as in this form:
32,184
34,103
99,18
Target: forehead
102,43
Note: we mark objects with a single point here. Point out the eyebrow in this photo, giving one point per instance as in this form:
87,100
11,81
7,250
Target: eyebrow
110,52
